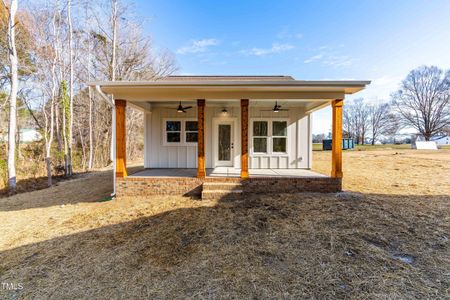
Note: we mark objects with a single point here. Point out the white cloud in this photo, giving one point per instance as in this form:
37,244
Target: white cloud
337,60
198,46
330,60
313,58
276,48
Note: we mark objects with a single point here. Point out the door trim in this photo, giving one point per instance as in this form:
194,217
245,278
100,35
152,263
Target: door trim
215,137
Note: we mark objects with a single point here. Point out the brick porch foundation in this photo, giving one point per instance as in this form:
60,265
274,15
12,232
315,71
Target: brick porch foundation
191,186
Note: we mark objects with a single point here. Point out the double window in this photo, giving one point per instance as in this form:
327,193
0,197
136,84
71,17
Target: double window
180,132
270,136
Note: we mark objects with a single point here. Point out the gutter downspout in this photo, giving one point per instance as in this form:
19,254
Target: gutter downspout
111,104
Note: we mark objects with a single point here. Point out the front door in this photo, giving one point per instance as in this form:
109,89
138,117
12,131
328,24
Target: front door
224,143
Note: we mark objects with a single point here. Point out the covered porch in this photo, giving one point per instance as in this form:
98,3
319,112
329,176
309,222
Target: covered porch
243,129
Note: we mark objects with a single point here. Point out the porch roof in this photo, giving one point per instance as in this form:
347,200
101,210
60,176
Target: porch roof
176,88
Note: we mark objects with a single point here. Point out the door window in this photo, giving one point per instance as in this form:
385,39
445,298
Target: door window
224,142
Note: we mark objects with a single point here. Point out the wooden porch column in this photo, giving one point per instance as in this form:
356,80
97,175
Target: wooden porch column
121,153
336,159
201,169
244,138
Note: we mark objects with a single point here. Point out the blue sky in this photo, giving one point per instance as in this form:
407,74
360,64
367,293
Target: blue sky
368,40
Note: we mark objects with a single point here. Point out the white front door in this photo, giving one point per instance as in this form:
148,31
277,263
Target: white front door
224,143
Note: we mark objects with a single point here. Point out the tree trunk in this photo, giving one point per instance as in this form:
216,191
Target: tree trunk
83,150
70,138
12,98
65,140
91,108
18,152
91,132
113,63
58,128
49,171
49,138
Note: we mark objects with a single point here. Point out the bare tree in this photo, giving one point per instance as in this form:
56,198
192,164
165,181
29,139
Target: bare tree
12,96
66,56
70,137
114,18
356,120
382,121
423,101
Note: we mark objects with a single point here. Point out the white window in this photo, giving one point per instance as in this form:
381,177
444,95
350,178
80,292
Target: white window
191,131
260,136
270,136
279,136
180,132
173,132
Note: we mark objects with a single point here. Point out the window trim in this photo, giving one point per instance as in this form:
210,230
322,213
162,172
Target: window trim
182,131
269,137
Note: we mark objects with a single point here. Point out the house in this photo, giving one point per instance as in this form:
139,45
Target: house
227,135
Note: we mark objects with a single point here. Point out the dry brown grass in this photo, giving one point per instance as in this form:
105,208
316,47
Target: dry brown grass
62,243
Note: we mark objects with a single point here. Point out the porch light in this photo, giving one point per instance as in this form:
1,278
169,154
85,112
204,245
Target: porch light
224,111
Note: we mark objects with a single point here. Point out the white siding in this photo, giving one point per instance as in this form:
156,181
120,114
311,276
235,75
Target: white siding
297,143
159,156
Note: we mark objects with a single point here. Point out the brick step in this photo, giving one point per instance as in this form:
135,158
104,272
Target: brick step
224,186
221,194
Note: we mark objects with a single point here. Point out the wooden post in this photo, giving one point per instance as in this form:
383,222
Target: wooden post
336,159
201,169
244,138
121,146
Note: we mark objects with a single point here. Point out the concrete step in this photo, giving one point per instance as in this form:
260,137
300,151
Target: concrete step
224,186
221,194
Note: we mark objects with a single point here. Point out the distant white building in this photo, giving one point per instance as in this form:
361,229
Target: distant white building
439,140
27,135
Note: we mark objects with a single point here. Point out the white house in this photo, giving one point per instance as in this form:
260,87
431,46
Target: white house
209,128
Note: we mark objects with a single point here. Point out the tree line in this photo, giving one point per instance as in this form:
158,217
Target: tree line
49,51
422,102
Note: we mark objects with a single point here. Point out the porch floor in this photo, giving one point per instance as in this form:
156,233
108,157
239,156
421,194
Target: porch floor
227,172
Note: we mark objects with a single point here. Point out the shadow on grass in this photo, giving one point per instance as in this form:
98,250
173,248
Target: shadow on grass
83,187
281,246
88,187
37,183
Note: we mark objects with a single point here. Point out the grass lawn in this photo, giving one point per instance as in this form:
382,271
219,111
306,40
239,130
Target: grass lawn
318,147
386,236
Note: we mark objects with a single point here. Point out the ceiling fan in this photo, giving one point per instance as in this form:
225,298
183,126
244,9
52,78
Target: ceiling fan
182,109
276,108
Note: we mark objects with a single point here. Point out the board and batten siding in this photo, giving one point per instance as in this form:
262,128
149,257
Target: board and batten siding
158,155
298,140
